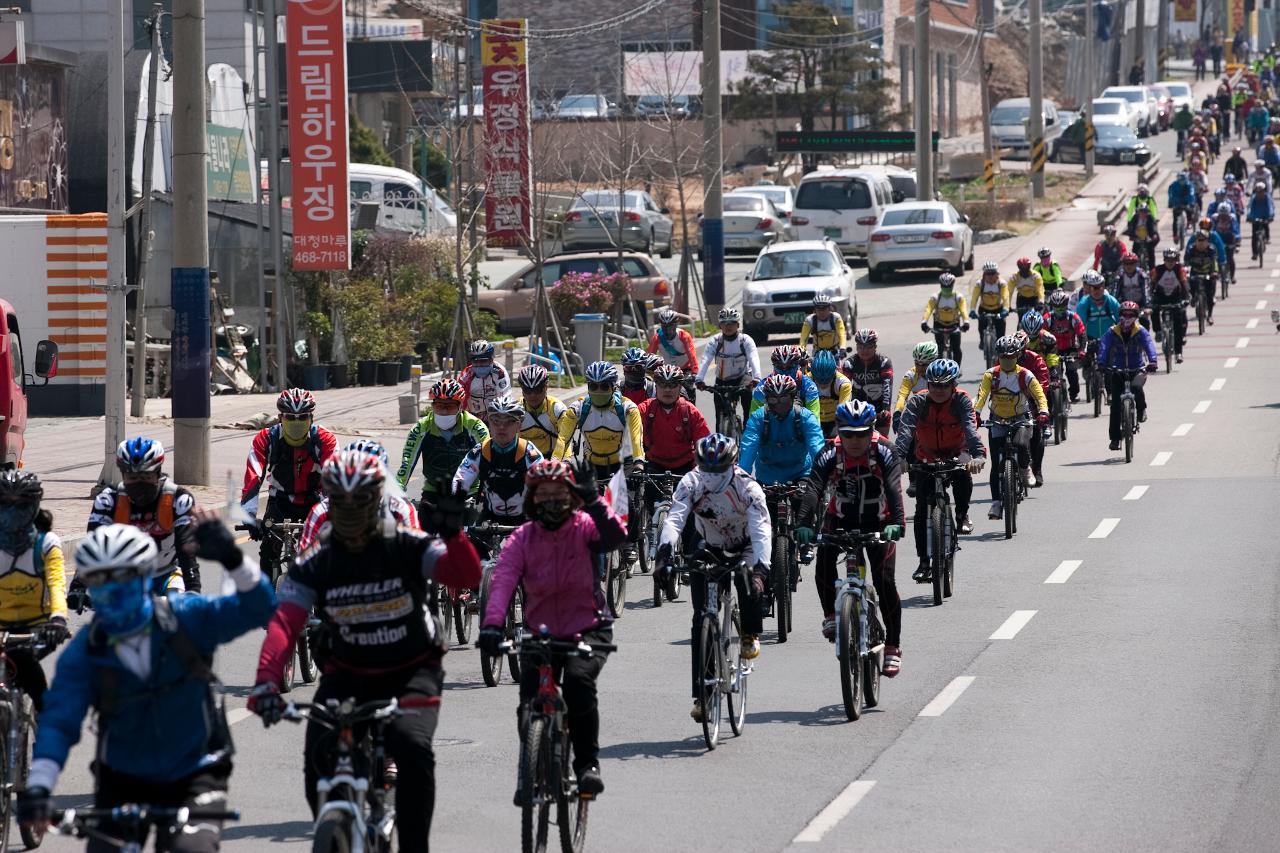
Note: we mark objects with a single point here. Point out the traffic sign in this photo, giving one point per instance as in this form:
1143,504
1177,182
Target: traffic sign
989,174
1090,136
1038,156
848,141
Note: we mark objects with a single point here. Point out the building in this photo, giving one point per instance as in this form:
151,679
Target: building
953,42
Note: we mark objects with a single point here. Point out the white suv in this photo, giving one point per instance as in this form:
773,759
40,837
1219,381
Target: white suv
781,286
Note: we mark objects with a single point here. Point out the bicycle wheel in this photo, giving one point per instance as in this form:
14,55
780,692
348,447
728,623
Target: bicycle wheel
1201,311
949,559
287,681
655,526
333,834
535,766
515,618
463,617
736,692
1224,280
1130,422
490,666
643,557
712,665
871,664
6,799
781,588
306,660
1009,491
1095,389
571,807
847,655
1166,347
445,603
939,558
616,589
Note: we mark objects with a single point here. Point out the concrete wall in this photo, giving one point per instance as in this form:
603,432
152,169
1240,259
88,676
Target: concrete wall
955,93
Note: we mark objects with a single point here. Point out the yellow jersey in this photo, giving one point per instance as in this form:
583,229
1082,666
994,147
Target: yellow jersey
32,589
1025,288
827,334
946,309
989,295
611,434
910,384
837,391
541,426
1012,395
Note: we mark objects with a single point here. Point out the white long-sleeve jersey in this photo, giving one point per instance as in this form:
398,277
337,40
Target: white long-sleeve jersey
733,358
726,516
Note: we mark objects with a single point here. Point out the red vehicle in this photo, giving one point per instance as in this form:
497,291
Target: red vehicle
14,381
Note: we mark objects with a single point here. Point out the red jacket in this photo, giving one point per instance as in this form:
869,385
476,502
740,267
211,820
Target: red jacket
681,352
1033,362
669,436
291,471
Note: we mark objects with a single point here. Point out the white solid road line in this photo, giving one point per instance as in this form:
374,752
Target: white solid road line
1202,407
1261,306
1231,362
235,715
828,818
1161,458
947,697
1217,384
1104,528
1182,430
1013,625
1252,324
1241,343
1136,493
1065,569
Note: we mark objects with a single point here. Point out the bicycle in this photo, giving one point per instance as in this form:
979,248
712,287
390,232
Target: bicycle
1129,407
1180,225
1259,236
127,827
724,673
1094,387
1059,404
987,323
302,662
859,633
653,520
356,801
491,665
1199,285
943,335
1228,273
455,610
1168,335
786,572
546,775
1013,486
17,728
727,406
940,527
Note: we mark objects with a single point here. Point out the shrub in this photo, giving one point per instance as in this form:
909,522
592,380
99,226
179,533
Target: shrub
591,293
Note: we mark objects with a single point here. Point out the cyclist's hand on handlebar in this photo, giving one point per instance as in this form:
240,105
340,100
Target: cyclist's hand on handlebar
267,703
758,573
701,386
973,315
804,535
54,632
964,327
254,528
34,808
490,639
924,327
893,532
212,539
975,465
1042,418
1152,367
1004,312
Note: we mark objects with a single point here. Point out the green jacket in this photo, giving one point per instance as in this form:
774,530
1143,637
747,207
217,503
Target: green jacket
441,452
1151,206
1182,120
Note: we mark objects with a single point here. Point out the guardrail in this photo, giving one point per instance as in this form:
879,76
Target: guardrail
1148,170
1112,212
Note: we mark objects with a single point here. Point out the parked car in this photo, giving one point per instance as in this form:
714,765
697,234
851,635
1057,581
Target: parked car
407,203
1114,112
902,182
1115,143
592,223
751,222
1009,126
841,205
1180,92
511,300
675,106
782,196
586,107
920,234
15,379
1144,104
780,287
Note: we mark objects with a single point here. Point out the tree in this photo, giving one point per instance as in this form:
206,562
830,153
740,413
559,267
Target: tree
365,146
430,162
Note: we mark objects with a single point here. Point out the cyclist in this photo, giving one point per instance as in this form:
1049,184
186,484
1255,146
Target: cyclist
1142,198
498,464
787,362
288,456
1068,331
1202,261
922,355
441,438
369,584
834,388
1260,175
542,411
864,477
825,325
395,507
145,665
1226,225
1269,154
1133,285
1098,310
1169,289
1183,196
553,558
1034,360
610,424
990,300
153,503
1144,235
1235,194
737,363
729,513
483,380
1048,270
636,384
33,586
1219,196
1126,346
1261,211
944,315
1108,252
781,439
1015,394
672,426
937,425
675,345
871,374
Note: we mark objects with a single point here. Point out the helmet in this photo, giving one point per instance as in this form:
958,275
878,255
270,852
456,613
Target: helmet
1220,192
1261,164
532,376
824,367
1259,187
1058,299
716,453
865,337
20,487
480,349
924,351
506,405
822,300
728,315
1170,254
787,355
989,266
1092,278
668,374
296,401
1182,176
601,371
370,447
1128,258
947,280
352,471
779,385
1129,307
667,316
943,371
447,390
1008,346
118,551
1227,209
1024,264
1045,252
855,416
1230,178
139,455
1031,322
1143,190
633,356
1205,223
546,471
1109,231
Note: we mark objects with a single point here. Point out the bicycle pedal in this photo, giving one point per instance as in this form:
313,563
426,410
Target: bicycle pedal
586,797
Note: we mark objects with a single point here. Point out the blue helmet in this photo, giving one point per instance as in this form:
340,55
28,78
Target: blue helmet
632,356
1032,323
944,371
601,371
716,453
824,367
370,447
139,455
855,416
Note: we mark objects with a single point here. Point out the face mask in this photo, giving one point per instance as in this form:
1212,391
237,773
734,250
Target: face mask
1008,365
716,481
793,372
1126,323
446,422
729,337
482,370
353,524
17,531
144,494
295,432
122,607
601,399
633,377
552,514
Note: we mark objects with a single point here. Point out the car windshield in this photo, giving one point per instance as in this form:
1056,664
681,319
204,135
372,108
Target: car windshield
1102,108
1133,96
1115,133
797,263
743,204
778,197
833,194
570,102
904,184
603,200
1178,90
913,216
1010,115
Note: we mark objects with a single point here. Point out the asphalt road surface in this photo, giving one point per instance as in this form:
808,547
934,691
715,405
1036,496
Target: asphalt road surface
1109,679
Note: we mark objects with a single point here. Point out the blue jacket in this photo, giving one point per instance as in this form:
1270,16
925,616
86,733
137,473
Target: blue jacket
1098,318
1270,156
1131,353
1259,118
1261,206
1182,194
160,732
1235,226
807,395
1214,240
783,449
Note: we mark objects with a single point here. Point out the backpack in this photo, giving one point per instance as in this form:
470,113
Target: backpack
1022,375
486,449
164,507
795,425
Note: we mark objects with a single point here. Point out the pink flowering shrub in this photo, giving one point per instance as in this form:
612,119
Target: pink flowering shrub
587,293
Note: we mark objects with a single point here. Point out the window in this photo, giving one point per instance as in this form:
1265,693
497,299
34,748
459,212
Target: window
913,216
15,351
361,190
399,191
635,268
1106,109
834,194
590,266
904,184
743,204
795,264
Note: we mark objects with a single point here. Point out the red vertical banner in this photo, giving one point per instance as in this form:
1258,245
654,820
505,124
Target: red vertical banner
508,194
317,60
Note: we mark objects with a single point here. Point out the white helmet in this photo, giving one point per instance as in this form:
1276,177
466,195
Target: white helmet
115,549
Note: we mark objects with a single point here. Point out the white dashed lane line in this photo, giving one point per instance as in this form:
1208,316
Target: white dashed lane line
1104,528
1161,458
1241,343
1274,274
830,817
1182,430
1231,362
947,697
1202,407
1136,493
1252,324
1013,625
1261,306
1217,384
1271,287
1064,571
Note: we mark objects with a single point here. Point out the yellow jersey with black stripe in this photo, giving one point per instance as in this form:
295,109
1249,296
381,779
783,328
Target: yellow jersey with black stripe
541,426
1013,395
33,584
610,434
828,334
945,309
989,295
839,390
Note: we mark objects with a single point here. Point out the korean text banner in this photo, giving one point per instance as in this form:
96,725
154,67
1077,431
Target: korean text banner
317,62
508,195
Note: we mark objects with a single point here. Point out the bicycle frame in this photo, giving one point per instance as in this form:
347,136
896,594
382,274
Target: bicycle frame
854,583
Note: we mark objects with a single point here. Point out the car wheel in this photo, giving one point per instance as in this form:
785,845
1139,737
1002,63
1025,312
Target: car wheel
957,270
757,334
670,247
875,275
968,265
648,244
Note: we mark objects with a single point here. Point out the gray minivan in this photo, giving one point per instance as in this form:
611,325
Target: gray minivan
1009,126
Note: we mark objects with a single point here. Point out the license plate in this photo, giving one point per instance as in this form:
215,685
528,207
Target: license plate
736,244
833,233
793,318
910,238
1127,156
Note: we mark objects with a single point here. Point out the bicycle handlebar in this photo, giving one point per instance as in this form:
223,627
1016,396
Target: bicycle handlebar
941,466
14,640
526,642
334,714
77,822
851,539
492,529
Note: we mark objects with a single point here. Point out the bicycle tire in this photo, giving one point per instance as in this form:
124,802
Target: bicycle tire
1223,281
949,566
31,839
1201,311
712,678
1095,387
781,588
656,523
535,813
286,684
871,664
616,588
571,808
1166,344
445,604
1009,492
515,618
939,560
462,621
850,661
642,547
306,660
736,696
332,834
490,665
1130,421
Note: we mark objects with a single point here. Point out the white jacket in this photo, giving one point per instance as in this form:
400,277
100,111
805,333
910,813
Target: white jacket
733,359
727,515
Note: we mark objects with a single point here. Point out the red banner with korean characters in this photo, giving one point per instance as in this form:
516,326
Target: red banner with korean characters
317,61
508,192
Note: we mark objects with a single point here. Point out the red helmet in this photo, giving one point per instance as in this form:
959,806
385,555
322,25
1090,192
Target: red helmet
296,401
1024,264
549,471
351,472
447,389
1129,258
1129,307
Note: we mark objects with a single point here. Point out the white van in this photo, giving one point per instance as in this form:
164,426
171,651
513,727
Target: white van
842,205
407,203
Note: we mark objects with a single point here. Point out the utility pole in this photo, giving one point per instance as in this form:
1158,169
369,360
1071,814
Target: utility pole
986,18
276,216
1156,65
1035,127
924,109
259,52
138,402
1140,33
190,247
713,168
114,422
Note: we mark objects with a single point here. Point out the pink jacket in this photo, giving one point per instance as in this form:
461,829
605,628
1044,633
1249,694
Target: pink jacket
558,571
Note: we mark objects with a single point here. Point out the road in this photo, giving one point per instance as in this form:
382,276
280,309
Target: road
1110,679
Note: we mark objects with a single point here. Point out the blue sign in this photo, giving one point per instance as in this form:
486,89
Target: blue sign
713,261
190,342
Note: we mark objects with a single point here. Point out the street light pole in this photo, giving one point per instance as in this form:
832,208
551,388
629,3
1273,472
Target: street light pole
1088,86
924,109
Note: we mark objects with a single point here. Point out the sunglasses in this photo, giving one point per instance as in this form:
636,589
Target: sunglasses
939,385
295,418
666,384
854,433
778,401
599,386
120,575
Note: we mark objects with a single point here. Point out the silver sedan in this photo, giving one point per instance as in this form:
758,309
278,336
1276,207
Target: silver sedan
751,222
920,234
592,223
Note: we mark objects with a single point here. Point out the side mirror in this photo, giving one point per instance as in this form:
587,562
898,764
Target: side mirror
46,360
747,277
964,217
666,211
